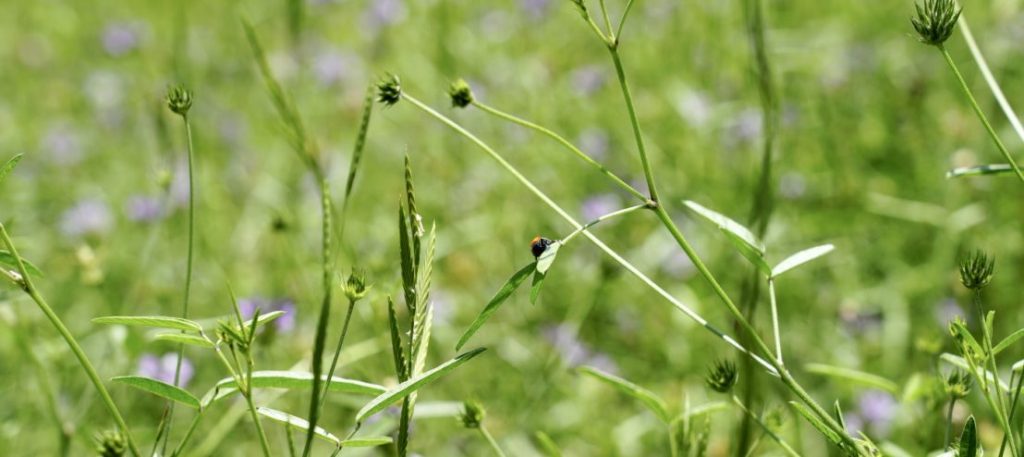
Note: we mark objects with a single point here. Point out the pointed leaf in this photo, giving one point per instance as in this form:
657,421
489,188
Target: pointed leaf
499,298
297,422
978,170
837,414
184,338
397,348
423,319
968,440
408,264
292,380
160,389
1008,341
852,375
817,423
801,258
648,398
369,441
263,319
175,323
7,259
413,384
538,282
8,166
741,237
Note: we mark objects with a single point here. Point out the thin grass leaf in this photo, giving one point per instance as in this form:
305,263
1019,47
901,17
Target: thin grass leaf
849,374
174,323
408,264
184,338
648,398
422,320
499,298
369,441
415,220
413,384
397,348
7,259
160,389
980,170
357,152
741,237
546,444
968,440
291,380
538,282
297,422
706,408
801,258
263,319
1006,342
817,423
9,166
837,414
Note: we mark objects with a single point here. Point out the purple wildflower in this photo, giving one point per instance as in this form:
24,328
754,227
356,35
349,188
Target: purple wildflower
947,310
575,352
63,144
283,324
382,13
878,409
162,368
143,208
587,79
331,67
120,38
87,217
599,205
536,9
594,142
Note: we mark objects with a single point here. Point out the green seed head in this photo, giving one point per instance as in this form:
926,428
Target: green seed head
581,7
111,443
958,384
976,270
179,99
389,90
355,287
460,93
722,376
473,414
935,20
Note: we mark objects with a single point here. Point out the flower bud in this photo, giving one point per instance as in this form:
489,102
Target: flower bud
473,414
111,443
389,90
958,384
935,21
179,99
976,270
355,287
722,376
460,93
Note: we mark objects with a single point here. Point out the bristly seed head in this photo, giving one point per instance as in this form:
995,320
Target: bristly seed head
958,384
473,414
461,93
935,20
355,287
976,270
722,376
179,99
111,443
389,90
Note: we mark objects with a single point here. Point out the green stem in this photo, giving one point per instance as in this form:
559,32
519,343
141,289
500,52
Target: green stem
491,441
778,439
325,311
188,434
337,352
949,425
29,288
999,405
622,21
1013,405
981,115
264,444
991,80
582,155
600,219
775,320
637,134
607,20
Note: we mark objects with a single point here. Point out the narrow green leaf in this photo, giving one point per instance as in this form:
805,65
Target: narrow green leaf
538,282
706,408
648,398
1006,342
413,384
849,374
837,414
546,444
817,423
978,170
357,152
968,440
184,338
160,389
741,237
423,319
8,166
174,323
499,298
397,348
297,422
801,258
263,319
7,259
369,441
408,264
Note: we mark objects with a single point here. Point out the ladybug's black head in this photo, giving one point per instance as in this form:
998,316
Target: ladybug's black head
538,245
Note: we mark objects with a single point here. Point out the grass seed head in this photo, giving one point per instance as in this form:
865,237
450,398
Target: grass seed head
179,99
389,90
935,20
460,93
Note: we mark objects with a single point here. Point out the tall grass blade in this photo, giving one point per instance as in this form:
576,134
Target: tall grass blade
160,389
297,422
801,258
649,399
173,323
499,298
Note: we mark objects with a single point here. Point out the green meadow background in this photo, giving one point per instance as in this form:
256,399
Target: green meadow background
870,121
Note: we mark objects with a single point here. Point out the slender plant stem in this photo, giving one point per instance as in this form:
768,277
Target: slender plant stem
188,434
637,134
576,225
600,219
264,444
949,424
622,21
778,439
980,113
775,320
1000,406
29,288
607,20
337,352
582,155
997,92
325,311
491,441
1013,406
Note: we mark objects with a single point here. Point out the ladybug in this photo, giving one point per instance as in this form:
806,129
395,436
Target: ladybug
539,244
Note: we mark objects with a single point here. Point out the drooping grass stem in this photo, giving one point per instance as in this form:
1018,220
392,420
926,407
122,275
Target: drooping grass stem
325,311
771,434
600,219
980,113
29,288
337,352
775,320
997,92
949,425
576,225
571,147
634,122
491,441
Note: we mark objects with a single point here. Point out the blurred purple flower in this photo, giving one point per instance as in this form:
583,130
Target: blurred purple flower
143,208
120,38
383,13
792,185
62,144
535,8
745,127
284,324
443,306
694,107
599,205
587,79
947,310
575,352
179,184
594,142
87,217
331,66
162,368
878,409
854,423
